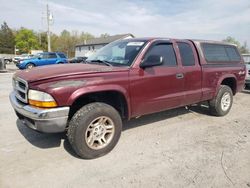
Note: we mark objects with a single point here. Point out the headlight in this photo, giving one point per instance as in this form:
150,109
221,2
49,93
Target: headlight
41,99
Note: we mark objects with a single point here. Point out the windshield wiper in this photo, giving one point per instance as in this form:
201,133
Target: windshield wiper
101,61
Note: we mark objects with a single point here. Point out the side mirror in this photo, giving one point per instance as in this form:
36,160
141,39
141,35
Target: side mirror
39,57
152,60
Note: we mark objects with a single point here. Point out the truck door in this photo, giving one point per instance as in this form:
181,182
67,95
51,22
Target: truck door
157,88
191,72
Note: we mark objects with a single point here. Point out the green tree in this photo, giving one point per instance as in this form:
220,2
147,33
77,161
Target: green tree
26,40
104,35
67,41
43,41
7,39
243,49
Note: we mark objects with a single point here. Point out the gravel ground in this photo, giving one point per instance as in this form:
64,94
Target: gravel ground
176,148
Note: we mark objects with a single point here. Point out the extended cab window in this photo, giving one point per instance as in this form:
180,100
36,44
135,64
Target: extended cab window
221,53
186,52
165,50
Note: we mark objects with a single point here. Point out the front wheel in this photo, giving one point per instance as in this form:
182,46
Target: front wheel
29,66
94,130
222,103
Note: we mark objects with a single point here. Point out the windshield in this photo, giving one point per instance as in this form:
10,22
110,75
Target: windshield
118,53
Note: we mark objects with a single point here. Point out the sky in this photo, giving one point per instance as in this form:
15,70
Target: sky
198,19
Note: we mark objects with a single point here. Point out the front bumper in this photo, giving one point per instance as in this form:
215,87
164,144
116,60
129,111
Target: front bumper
44,120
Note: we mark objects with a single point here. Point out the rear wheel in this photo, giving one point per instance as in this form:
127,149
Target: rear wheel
94,130
222,103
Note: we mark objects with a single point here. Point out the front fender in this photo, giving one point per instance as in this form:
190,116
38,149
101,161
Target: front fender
22,65
93,89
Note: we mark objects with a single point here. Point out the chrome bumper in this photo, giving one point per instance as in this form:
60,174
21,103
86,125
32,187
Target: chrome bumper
45,120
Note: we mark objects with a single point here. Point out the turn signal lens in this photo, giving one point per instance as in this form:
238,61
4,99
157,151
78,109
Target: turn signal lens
43,104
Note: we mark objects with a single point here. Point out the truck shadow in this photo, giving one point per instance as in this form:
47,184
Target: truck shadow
168,114
45,141
52,140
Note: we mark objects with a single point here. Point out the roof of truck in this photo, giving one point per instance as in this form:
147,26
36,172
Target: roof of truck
169,39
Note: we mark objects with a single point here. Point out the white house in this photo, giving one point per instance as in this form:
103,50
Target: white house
89,46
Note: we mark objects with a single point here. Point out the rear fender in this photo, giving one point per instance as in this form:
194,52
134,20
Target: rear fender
223,78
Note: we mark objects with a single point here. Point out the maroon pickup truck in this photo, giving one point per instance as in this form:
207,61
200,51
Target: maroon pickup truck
126,79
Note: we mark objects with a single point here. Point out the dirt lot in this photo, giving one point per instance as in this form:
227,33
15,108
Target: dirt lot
176,148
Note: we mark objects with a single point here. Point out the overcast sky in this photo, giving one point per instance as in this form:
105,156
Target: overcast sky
201,19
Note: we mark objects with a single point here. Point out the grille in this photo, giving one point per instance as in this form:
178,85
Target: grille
21,88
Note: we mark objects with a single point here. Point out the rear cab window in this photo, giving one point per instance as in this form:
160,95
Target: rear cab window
221,53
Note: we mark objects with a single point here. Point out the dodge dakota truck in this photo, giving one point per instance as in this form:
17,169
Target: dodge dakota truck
126,79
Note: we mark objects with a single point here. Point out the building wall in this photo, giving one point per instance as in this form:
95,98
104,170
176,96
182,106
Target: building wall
85,51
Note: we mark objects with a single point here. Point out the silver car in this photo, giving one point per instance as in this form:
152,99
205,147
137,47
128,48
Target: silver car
246,58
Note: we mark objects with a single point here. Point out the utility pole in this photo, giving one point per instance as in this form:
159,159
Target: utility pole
49,19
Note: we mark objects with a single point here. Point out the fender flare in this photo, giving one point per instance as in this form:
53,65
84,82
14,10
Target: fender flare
223,78
90,89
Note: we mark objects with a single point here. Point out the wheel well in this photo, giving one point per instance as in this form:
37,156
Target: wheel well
231,82
113,98
30,63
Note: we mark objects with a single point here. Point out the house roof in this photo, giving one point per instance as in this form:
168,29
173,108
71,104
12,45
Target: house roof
104,40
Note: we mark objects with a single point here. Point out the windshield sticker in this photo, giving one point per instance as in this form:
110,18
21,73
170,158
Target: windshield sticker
135,43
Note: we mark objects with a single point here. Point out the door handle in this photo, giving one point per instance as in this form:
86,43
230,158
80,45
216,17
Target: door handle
179,75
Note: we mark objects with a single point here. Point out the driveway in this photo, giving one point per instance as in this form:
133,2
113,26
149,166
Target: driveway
176,148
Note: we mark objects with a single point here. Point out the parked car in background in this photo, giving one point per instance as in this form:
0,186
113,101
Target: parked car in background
246,58
41,59
78,60
16,59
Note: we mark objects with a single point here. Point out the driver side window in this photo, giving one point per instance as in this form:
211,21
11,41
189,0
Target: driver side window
164,50
44,56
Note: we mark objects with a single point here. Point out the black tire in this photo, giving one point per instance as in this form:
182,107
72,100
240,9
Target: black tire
79,126
29,66
247,86
215,104
7,61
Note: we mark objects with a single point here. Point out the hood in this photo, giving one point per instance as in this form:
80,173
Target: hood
61,70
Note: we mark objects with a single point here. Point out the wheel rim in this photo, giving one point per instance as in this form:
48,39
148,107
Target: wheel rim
30,66
100,133
225,101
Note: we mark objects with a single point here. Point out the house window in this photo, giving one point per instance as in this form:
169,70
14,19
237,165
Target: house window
89,48
93,47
